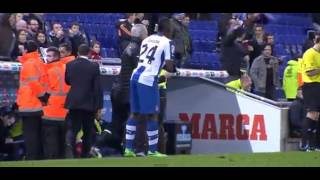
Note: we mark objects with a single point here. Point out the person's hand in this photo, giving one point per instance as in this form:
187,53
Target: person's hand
250,48
60,34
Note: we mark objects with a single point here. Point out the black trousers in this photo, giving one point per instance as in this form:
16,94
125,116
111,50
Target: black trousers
54,134
78,119
120,115
32,137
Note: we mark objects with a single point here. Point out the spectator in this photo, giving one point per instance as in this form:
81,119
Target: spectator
256,44
7,36
124,29
18,16
120,88
95,51
265,74
33,28
57,36
233,54
84,100
269,39
181,39
65,53
41,39
20,44
290,80
76,37
37,16
21,25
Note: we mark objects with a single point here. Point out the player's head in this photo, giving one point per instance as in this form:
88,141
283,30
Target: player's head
139,31
165,27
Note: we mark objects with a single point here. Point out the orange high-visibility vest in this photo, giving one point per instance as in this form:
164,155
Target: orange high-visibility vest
31,83
58,89
67,59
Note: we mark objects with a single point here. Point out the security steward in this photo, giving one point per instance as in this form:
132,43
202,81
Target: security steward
66,53
32,85
54,113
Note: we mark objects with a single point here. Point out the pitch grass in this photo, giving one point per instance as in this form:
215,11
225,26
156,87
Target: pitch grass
221,160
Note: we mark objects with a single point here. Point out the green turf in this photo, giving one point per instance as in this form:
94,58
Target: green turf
257,159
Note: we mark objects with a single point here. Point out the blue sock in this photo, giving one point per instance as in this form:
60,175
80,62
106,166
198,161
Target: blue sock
152,131
130,133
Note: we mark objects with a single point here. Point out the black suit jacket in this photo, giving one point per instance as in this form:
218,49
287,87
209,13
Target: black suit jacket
84,78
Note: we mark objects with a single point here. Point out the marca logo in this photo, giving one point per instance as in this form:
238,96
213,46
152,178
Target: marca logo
231,127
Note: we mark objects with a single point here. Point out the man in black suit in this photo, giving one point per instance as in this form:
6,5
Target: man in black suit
85,98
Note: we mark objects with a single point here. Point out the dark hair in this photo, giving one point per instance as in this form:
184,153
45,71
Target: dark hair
164,25
129,14
31,46
32,18
94,43
55,50
67,46
258,25
83,50
265,45
266,35
54,24
75,24
239,32
317,39
20,30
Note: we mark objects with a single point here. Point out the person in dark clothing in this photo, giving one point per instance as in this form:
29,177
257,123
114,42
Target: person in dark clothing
233,54
76,37
41,39
296,115
7,37
33,28
120,88
124,28
20,44
84,100
256,43
57,35
181,39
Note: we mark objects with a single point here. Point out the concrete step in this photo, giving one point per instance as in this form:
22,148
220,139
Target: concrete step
292,144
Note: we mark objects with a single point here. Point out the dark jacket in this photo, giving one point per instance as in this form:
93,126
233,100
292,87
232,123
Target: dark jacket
232,54
76,40
129,61
84,78
181,39
124,29
54,41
